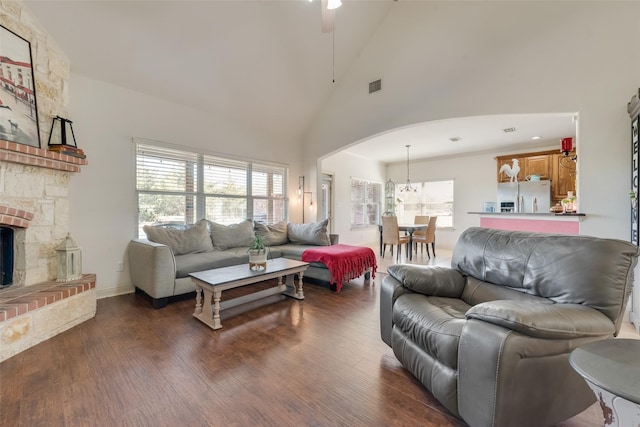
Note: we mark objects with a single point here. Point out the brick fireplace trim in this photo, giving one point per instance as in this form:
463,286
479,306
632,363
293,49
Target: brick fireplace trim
27,155
15,217
24,299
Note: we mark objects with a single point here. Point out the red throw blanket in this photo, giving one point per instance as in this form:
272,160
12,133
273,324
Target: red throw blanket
345,262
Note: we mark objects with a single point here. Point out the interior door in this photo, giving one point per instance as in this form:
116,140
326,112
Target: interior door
327,200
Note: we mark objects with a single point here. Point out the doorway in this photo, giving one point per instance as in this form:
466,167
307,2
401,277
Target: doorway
326,204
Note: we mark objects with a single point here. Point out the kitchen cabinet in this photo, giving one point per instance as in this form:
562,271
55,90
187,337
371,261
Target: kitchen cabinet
549,165
530,164
538,165
508,160
563,176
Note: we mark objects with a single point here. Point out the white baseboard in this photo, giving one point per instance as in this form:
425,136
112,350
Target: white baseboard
115,291
634,318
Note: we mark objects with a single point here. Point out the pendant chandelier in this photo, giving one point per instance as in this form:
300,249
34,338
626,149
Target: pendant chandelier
407,186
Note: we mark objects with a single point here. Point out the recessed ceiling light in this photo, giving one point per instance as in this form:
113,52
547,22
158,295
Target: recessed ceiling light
507,130
455,139
535,138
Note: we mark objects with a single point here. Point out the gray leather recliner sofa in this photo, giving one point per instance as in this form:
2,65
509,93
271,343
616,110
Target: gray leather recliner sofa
490,337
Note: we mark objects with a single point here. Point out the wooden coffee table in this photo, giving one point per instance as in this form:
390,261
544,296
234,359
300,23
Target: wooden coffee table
211,283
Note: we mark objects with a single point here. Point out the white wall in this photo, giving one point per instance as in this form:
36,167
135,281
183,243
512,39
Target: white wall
102,197
343,167
535,57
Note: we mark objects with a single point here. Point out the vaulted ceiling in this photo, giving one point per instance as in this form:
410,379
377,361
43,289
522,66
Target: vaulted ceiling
266,64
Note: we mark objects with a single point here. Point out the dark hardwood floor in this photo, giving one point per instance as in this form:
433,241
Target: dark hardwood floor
317,362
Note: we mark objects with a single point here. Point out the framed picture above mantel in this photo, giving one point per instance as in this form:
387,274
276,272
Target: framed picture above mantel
18,107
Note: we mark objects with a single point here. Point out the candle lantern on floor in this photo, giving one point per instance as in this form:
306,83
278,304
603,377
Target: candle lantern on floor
69,260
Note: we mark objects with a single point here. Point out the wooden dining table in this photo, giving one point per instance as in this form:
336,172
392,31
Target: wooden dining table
409,229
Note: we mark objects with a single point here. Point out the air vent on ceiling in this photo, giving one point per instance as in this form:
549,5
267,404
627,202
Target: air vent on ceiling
455,139
375,86
507,130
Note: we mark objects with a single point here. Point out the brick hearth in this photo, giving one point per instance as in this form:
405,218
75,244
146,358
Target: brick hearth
15,301
32,314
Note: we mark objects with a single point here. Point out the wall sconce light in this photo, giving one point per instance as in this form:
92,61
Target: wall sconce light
310,198
304,204
300,186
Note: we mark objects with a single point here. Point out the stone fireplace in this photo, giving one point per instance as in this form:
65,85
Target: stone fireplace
34,209
34,219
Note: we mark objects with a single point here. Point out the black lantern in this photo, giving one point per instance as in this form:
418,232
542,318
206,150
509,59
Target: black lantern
62,139
60,128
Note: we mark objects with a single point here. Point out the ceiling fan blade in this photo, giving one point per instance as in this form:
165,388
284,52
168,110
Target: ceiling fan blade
328,17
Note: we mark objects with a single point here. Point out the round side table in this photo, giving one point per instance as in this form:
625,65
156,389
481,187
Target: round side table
611,368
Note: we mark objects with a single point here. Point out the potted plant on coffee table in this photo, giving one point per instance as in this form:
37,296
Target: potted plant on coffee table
258,254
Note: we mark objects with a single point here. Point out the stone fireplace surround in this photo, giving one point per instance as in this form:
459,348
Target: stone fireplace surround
34,203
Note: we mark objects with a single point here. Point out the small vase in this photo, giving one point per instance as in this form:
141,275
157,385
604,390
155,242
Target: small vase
258,259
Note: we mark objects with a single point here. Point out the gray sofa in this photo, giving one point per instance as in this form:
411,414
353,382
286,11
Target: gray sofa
160,265
490,337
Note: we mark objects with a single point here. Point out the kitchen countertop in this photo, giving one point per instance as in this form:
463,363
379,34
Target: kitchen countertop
547,214
543,222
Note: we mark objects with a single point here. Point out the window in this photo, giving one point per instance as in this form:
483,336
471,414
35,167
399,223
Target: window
431,198
365,203
178,187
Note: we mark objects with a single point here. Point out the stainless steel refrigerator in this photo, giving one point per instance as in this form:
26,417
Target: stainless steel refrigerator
524,197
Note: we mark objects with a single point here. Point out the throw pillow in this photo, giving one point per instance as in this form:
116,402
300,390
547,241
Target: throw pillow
191,240
309,234
275,234
232,236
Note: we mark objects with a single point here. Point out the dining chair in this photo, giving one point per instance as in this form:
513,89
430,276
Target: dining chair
391,235
429,237
420,236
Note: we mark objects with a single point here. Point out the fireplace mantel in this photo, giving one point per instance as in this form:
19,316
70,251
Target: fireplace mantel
26,155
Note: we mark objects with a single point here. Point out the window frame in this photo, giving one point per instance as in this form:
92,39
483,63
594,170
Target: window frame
366,203
422,204
200,195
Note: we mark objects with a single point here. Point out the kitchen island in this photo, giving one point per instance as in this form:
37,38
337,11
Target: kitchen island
541,222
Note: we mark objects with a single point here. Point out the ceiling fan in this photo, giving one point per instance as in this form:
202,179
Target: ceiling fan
329,14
